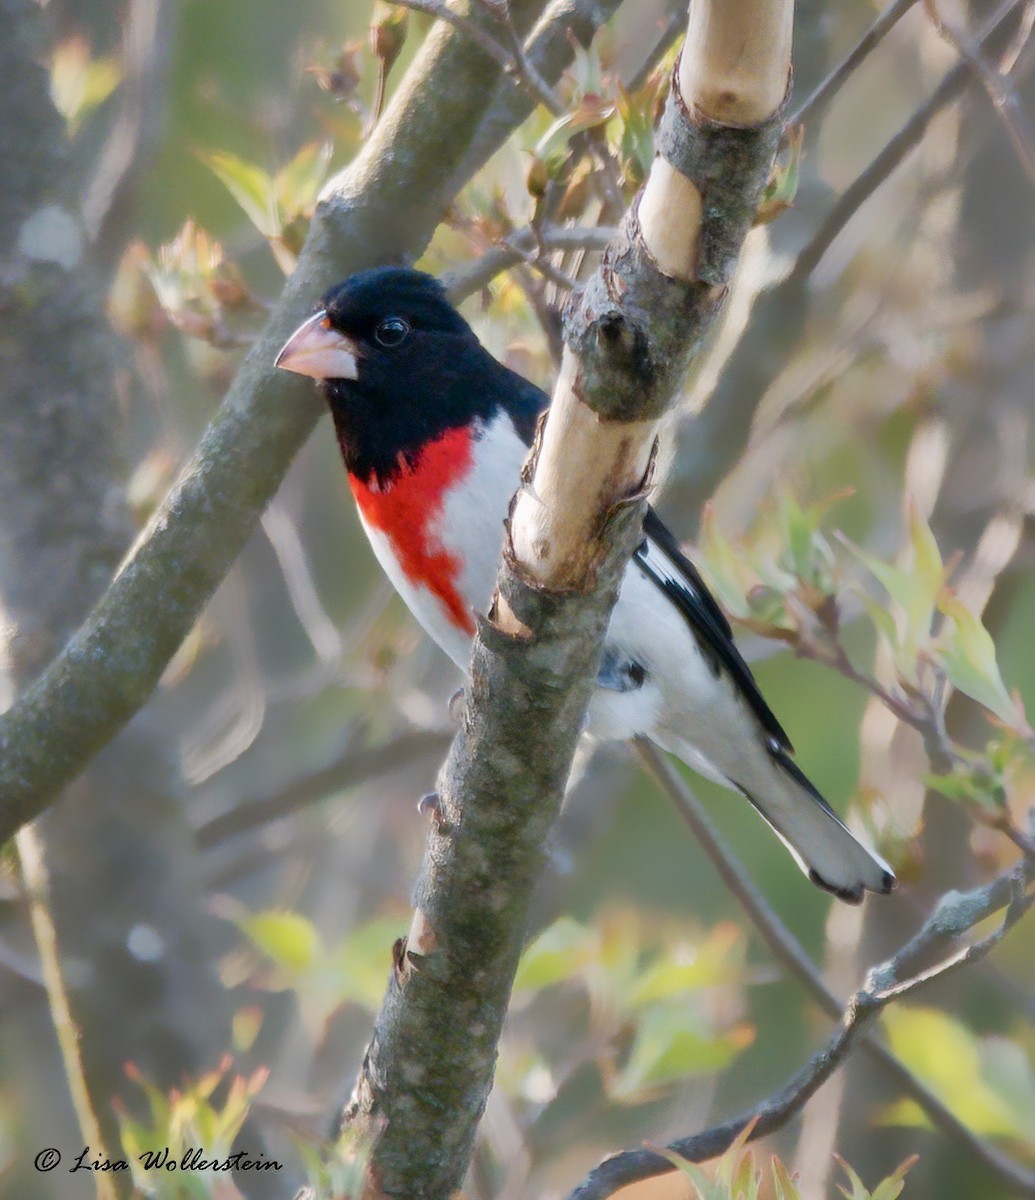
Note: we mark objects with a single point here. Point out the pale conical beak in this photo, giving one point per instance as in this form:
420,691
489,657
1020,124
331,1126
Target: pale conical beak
318,350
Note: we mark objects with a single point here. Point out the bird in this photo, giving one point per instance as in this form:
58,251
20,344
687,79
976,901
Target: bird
434,432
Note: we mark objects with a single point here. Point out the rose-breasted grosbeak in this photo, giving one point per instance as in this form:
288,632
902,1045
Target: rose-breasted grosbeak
434,432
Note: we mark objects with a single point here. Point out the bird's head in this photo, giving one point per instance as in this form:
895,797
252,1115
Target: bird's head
398,364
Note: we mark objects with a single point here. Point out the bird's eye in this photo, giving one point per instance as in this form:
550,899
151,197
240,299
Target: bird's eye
391,332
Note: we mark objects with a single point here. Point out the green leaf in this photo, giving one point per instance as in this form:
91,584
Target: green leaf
79,83
783,1182
667,1047
915,589
972,784
706,1188
967,653
782,185
358,966
251,187
592,112
729,1168
889,1188
746,1179
882,620
947,1056
899,585
557,955
297,186
288,938
858,1191
681,969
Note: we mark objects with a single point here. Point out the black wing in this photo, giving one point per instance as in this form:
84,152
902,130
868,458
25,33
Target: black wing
665,565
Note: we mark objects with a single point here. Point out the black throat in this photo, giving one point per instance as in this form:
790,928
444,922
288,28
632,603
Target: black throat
386,418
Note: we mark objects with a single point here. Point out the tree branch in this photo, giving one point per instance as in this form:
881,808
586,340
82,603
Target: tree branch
816,104
384,206
788,951
524,246
956,914
630,337
512,62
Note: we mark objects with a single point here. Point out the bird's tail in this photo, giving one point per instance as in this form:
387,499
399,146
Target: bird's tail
823,846
818,839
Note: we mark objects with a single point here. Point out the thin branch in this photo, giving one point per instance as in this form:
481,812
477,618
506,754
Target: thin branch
895,151
788,951
148,38
955,916
282,534
1003,97
514,62
673,27
716,437
563,25
353,766
814,107
524,246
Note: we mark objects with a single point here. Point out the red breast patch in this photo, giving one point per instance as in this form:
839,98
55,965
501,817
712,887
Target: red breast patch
406,512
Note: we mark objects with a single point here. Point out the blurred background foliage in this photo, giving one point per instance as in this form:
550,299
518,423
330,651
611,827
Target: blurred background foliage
864,513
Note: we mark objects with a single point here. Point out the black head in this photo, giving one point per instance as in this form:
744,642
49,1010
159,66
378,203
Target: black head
399,367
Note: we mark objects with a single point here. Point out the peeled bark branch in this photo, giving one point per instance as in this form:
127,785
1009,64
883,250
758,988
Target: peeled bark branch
630,338
644,314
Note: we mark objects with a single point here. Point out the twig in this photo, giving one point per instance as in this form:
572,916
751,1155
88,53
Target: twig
907,138
321,631
813,107
788,951
956,914
148,38
1003,96
550,47
354,766
514,62
522,247
717,436
675,24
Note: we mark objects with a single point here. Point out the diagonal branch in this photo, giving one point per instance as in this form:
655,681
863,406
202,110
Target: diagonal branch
953,918
384,206
712,440
788,951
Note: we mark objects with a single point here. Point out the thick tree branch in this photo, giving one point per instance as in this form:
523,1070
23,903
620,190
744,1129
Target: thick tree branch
384,206
630,337
956,914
